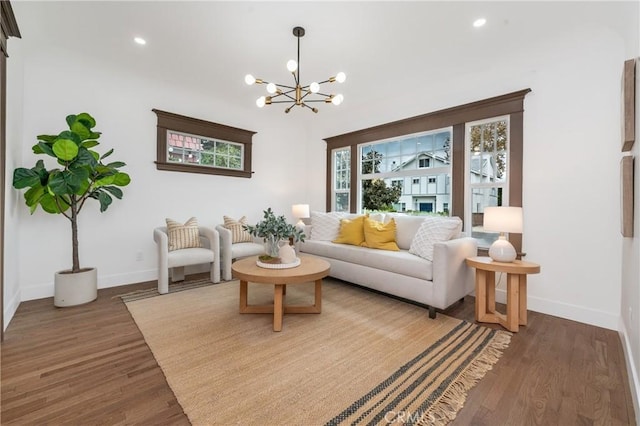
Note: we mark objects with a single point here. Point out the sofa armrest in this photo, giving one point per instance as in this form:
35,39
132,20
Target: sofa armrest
452,278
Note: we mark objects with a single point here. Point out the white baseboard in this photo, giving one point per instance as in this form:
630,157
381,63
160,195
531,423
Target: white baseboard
10,309
568,311
634,383
43,290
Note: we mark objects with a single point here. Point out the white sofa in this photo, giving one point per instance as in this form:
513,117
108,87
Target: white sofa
437,283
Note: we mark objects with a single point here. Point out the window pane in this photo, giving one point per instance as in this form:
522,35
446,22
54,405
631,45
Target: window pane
341,179
342,202
196,150
481,198
400,174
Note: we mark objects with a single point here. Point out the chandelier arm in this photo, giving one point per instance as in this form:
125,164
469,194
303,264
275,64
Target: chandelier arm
281,102
315,100
285,86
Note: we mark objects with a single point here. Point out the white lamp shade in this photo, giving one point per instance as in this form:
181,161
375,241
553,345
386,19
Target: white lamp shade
300,211
503,219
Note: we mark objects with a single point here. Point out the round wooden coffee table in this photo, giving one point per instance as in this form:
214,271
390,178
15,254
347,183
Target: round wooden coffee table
310,269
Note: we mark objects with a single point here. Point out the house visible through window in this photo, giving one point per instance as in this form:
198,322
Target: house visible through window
424,162
191,149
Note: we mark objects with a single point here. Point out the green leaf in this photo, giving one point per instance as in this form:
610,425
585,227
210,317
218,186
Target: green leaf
71,119
95,155
107,180
115,191
116,164
47,138
86,119
121,179
32,196
48,204
105,200
95,135
68,181
23,178
81,130
90,143
43,148
85,158
71,136
65,149
106,154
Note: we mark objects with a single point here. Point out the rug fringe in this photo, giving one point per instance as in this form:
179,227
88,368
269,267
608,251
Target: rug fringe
451,402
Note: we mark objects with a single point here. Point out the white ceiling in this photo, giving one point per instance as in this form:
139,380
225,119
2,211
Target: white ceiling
384,47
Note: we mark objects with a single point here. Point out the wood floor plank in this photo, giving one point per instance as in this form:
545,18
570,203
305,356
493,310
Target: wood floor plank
90,365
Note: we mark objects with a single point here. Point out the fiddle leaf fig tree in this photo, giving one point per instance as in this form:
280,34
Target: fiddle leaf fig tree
82,174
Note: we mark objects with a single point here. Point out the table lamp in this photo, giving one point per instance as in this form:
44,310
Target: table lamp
300,211
502,219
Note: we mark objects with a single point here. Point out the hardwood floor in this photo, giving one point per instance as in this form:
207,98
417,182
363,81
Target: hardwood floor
90,365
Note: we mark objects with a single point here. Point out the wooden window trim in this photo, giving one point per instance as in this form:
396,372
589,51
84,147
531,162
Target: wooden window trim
180,123
511,104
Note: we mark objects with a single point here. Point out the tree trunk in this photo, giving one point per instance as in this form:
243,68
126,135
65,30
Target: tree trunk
74,236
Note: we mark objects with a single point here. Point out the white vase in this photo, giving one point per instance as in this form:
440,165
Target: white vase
71,289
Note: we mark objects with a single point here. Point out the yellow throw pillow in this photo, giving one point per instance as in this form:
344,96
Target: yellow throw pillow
183,236
351,231
238,234
378,235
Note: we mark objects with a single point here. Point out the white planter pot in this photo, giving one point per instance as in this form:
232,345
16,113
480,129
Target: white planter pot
75,289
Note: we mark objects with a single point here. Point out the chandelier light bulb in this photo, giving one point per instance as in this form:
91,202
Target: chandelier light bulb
341,77
249,79
337,99
314,87
271,88
292,65
261,101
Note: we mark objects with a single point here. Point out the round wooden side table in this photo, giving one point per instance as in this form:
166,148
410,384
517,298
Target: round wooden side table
516,272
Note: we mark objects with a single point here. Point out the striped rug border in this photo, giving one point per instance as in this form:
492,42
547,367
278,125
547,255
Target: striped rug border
442,405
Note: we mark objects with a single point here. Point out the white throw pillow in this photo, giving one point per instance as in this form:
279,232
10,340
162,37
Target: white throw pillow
325,226
434,230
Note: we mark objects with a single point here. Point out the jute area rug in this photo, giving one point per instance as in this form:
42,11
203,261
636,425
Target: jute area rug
366,358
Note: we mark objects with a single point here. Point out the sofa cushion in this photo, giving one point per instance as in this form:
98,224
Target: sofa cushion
325,226
400,262
433,230
351,231
406,228
378,235
238,233
183,236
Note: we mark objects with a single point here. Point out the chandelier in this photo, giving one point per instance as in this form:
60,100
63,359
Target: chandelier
297,95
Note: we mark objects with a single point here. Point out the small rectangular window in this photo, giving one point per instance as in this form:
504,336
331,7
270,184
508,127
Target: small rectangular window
186,144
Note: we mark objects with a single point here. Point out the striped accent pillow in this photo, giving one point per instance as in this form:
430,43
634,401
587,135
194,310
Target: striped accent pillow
238,234
183,236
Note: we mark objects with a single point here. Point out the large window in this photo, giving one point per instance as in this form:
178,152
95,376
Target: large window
474,160
191,145
419,165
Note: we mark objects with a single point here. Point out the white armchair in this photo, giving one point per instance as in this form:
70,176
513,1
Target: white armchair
176,260
230,251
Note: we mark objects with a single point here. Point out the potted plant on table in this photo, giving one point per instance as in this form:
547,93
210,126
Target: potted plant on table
81,174
273,230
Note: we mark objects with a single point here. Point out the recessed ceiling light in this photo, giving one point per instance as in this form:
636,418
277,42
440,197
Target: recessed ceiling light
479,22
140,40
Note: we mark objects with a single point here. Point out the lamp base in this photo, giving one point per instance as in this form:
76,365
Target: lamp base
502,250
